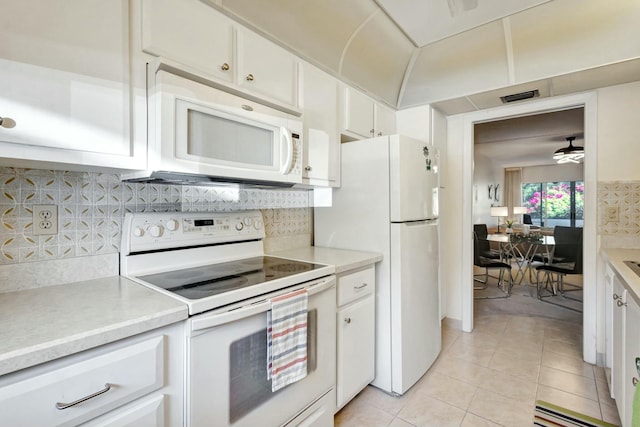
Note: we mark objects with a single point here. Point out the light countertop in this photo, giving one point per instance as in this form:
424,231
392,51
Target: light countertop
342,259
615,258
43,324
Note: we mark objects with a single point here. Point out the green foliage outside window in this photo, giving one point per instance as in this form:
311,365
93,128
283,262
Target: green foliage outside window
549,201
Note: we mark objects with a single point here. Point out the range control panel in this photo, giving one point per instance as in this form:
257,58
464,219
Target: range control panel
169,230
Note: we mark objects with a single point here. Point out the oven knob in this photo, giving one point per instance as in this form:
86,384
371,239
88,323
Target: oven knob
239,226
138,232
257,224
247,221
156,230
172,225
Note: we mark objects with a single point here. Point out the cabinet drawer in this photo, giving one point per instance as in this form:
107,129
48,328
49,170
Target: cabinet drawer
356,285
112,378
145,412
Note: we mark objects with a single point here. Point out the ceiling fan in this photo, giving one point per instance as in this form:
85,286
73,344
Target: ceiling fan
569,154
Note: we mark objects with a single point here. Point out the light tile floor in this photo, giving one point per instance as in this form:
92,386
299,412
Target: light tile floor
520,350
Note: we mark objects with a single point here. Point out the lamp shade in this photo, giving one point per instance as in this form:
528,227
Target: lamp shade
518,210
499,211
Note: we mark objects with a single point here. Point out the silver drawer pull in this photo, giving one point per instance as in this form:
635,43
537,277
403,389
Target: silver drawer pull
361,286
616,296
347,320
61,406
634,381
621,303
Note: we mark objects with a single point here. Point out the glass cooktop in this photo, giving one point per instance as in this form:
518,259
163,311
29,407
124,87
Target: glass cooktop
208,280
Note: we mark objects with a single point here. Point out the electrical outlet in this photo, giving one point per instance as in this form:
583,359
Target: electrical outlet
45,219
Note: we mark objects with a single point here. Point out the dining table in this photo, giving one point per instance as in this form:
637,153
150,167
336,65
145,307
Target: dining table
521,249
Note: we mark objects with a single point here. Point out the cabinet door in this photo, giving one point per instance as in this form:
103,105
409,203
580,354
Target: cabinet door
384,120
321,144
358,113
266,69
191,33
70,85
355,361
631,357
618,344
145,412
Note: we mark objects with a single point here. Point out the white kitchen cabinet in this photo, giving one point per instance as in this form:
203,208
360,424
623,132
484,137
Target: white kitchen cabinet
144,412
631,354
626,349
362,117
355,333
72,86
384,120
144,372
266,69
617,367
190,33
198,39
321,152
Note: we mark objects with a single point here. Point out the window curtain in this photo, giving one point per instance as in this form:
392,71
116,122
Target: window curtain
512,188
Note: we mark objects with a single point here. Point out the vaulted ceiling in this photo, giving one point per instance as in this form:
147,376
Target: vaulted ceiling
458,55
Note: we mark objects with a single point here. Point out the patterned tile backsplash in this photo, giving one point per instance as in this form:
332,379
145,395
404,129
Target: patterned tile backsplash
619,208
91,207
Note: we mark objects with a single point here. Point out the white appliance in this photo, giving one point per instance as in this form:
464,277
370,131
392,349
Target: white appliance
199,134
388,203
214,263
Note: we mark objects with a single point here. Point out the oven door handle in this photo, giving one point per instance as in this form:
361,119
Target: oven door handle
261,306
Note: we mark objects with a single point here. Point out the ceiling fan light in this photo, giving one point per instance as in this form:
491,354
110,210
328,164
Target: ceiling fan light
569,154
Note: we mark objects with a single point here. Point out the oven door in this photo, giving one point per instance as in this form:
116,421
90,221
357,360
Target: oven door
227,377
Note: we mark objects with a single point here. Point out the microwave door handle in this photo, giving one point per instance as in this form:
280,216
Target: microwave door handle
286,145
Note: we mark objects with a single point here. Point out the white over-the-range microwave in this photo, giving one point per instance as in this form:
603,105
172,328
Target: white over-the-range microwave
199,135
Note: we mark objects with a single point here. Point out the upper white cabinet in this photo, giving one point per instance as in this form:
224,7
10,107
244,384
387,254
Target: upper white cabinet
73,94
362,117
267,69
190,33
203,41
321,161
384,120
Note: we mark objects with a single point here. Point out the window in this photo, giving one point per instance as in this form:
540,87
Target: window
555,203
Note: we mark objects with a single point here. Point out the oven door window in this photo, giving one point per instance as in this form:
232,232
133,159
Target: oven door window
227,370
249,387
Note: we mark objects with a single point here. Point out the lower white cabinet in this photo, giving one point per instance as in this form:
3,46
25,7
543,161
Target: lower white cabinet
144,371
144,412
625,373
631,357
355,333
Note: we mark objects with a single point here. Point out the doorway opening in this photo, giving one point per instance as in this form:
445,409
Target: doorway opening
514,156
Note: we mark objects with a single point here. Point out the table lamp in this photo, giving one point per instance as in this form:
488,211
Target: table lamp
499,211
519,210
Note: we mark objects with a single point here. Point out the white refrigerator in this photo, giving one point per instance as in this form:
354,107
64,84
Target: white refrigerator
388,203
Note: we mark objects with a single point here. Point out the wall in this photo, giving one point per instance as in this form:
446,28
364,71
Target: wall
618,171
485,174
553,173
91,208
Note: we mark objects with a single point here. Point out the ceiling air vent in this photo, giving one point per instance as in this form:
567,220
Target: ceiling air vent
520,96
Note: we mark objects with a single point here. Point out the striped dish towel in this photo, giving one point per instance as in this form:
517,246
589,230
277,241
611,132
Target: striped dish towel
287,339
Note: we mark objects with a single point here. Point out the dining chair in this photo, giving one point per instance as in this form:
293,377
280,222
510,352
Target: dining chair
505,284
553,274
481,231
